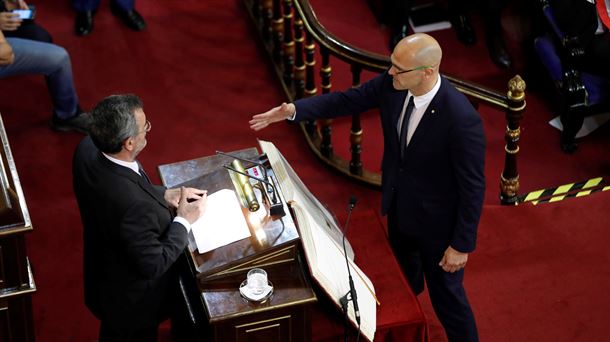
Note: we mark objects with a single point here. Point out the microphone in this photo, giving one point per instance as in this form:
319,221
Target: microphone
352,290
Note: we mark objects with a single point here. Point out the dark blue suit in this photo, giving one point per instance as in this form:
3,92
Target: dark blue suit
434,195
92,5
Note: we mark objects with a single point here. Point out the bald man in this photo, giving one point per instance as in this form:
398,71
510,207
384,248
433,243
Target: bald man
433,180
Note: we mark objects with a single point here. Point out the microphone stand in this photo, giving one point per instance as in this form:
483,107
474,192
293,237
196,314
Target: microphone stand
351,294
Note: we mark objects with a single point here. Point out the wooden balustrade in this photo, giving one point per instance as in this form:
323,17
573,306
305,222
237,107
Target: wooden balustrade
291,32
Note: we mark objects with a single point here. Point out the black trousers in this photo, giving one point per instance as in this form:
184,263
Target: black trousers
419,258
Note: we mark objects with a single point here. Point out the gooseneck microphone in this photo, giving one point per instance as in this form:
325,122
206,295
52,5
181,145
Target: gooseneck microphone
352,291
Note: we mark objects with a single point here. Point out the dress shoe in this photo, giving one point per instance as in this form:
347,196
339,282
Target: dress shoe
497,51
131,18
80,122
463,29
84,23
397,35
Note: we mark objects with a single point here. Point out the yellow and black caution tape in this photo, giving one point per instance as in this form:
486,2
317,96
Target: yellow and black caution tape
565,191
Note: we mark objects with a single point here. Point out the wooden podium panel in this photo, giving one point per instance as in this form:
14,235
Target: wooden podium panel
212,279
16,280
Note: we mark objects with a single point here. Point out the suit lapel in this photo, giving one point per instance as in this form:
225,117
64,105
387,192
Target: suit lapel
142,182
397,103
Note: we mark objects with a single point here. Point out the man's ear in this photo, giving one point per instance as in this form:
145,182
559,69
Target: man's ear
129,144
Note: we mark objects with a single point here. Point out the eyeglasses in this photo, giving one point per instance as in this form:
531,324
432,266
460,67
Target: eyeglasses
400,71
147,127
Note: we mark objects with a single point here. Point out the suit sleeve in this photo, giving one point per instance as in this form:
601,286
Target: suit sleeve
150,248
468,159
351,101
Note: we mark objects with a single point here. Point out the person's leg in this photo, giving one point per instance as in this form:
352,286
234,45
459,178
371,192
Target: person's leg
124,9
406,253
124,5
53,61
447,295
397,14
458,10
85,5
111,333
30,30
492,15
83,24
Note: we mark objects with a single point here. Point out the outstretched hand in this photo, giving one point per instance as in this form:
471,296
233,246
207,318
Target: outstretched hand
191,211
280,113
453,260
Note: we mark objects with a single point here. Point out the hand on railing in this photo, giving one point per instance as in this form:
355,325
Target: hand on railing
279,113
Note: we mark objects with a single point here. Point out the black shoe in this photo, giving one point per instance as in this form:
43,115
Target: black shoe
132,18
81,122
463,29
84,23
497,51
398,35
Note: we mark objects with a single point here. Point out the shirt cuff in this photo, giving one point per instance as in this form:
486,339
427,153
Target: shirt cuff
183,222
293,116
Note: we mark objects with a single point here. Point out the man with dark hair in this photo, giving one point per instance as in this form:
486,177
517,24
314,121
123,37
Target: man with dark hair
131,237
433,180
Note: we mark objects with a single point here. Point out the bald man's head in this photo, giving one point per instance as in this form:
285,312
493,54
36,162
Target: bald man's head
420,49
415,63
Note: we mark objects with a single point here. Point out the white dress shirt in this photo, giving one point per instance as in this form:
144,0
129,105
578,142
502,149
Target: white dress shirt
421,104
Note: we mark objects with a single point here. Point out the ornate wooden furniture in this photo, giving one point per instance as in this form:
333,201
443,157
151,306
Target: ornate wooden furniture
291,32
16,279
210,283
581,93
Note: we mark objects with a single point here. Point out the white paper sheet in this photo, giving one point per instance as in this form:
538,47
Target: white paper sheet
590,123
222,222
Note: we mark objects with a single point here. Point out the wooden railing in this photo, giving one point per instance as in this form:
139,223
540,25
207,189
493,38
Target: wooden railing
291,33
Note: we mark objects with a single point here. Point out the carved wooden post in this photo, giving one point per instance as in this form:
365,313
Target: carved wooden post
310,78
288,44
509,181
267,16
299,63
326,148
355,136
278,27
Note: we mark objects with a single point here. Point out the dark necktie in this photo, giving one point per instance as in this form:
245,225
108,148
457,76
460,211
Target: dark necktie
143,173
404,127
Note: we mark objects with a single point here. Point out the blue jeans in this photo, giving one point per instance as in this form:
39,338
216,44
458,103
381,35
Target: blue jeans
32,57
92,5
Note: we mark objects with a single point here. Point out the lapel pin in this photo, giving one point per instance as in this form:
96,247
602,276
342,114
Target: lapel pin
433,111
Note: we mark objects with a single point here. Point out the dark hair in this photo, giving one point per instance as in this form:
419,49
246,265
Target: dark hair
114,121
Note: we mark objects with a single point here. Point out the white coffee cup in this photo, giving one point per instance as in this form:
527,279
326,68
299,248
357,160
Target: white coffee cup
257,281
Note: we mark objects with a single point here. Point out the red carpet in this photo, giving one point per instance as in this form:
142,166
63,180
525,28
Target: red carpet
538,273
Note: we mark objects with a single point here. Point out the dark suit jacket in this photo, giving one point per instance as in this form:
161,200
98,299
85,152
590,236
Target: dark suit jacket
130,242
440,184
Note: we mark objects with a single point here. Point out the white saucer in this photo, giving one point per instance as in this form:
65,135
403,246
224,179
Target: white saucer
247,294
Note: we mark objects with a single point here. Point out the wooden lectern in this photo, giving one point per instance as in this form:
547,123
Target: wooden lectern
16,280
210,281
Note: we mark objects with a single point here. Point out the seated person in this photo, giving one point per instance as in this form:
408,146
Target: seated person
12,26
32,57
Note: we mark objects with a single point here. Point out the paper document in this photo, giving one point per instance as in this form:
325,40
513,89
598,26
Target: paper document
222,222
589,124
